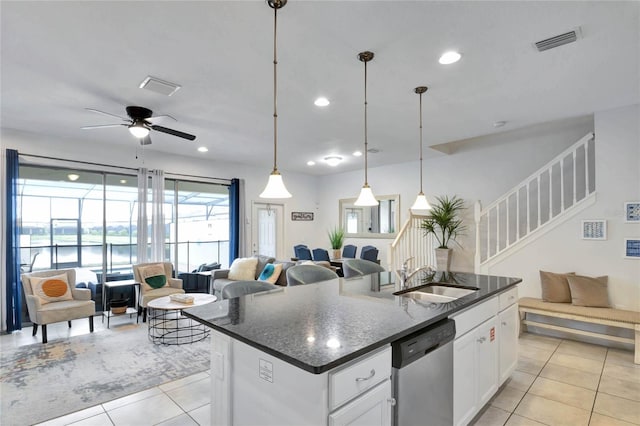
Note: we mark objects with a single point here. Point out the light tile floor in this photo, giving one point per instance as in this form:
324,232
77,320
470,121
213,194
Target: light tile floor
557,382
563,382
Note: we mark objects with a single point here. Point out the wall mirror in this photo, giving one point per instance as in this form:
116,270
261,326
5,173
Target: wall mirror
381,221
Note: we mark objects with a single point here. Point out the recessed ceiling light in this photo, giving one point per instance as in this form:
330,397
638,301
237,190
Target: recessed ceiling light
333,160
73,176
449,57
123,181
321,102
311,163
357,153
203,149
499,123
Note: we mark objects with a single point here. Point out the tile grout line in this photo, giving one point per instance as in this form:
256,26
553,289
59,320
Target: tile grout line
527,391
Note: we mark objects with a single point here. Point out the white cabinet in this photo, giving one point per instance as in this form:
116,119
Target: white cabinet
485,352
508,325
475,370
371,409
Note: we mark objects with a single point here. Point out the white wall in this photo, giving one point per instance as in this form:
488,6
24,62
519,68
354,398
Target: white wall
482,169
562,250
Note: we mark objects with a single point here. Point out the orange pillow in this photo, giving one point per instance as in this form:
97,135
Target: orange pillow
51,289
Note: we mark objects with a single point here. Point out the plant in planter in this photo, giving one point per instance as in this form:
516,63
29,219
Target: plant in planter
336,238
445,224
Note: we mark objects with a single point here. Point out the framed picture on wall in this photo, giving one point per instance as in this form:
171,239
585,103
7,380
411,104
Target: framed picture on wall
594,229
632,211
632,248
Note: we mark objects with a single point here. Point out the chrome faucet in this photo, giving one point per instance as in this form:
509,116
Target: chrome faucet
405,275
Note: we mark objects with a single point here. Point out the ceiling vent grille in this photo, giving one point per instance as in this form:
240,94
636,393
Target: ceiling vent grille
556,41
159,86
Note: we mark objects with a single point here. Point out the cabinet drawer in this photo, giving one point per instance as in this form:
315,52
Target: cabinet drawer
356,378
508,298
470,318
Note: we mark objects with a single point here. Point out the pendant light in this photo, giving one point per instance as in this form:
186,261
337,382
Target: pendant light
275,186
421,205
366,197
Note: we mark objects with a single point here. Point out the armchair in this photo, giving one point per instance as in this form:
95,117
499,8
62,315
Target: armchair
309,274
52,297
153,285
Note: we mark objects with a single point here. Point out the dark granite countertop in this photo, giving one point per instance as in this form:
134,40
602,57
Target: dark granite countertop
320,326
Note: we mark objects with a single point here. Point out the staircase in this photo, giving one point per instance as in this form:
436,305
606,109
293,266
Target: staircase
411,242
559,187
563,185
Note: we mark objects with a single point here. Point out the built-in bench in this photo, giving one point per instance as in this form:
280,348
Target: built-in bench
603,316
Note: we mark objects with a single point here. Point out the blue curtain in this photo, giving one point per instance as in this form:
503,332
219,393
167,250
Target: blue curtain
234,219
14,291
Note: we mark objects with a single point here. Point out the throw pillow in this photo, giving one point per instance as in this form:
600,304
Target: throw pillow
271,272
153,276
555,287
243,269
262,261
588,291
51,289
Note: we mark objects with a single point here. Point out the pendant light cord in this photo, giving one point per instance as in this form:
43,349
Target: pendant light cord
421,144
275,90
366,183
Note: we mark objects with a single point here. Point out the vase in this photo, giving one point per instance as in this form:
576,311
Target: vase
443,259
337,254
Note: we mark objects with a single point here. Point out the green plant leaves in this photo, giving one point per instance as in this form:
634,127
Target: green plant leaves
443,221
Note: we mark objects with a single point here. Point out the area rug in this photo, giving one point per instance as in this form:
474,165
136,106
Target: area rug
39,382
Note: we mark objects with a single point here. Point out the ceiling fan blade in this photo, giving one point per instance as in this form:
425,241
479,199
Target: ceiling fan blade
159,118
145,141
101,126
106,113
173,132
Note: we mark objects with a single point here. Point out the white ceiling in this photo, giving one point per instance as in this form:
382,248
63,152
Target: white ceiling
60,57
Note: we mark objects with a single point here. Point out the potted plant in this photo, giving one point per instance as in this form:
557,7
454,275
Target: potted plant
336,238
445,224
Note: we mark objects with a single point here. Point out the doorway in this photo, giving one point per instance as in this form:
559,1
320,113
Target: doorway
267,230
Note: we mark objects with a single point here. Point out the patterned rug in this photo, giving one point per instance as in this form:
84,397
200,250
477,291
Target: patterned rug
39,382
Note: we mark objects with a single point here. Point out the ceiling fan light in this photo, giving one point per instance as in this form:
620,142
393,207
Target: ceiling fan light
275,187
421,206
138,130
366,197
73,176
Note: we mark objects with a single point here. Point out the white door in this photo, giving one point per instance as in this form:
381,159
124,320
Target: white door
267,229
508,342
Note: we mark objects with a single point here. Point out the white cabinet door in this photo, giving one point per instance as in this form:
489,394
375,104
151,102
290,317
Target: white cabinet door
508,326
464,379
487,360
370,409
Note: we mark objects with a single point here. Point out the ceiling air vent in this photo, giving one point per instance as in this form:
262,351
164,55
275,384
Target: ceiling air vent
159,86
558,40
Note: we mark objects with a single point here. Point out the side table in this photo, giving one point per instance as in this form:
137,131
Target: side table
168,326
106,290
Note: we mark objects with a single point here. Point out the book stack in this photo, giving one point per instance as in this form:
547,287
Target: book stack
182,298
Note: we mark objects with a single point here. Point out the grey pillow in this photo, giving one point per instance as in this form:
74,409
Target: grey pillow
588,291
282,279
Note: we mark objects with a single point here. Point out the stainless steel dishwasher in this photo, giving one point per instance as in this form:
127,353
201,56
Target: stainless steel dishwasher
423,376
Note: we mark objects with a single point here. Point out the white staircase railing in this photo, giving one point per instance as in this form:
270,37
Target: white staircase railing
559,186
411,241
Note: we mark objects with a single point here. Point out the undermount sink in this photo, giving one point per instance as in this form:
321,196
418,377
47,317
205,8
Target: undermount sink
437,293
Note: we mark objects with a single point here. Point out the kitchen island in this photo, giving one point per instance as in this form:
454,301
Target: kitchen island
277,356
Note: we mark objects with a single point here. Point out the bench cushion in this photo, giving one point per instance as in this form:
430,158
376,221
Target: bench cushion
611,314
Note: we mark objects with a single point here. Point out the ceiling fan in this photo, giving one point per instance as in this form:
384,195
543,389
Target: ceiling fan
140,122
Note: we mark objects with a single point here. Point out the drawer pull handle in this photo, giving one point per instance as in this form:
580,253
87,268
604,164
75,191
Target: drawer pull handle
362,379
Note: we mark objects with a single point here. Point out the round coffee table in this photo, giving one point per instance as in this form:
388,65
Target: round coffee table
167,326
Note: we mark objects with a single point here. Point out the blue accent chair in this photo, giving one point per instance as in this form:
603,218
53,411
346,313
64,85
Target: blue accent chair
302,252
320,254
369,253
349,251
